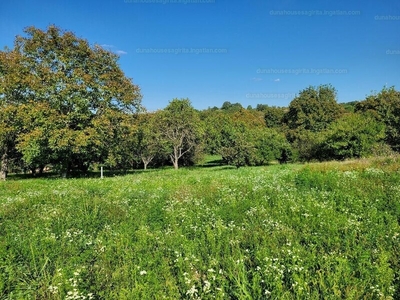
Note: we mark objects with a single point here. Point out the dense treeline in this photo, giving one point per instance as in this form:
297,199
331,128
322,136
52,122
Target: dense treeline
67,105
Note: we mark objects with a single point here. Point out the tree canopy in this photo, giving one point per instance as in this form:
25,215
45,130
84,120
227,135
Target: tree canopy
68,85
67,104
384,107
313,109
180,129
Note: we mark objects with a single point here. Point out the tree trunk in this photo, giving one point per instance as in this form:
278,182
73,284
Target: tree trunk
65,172
4,166
175,158
146,161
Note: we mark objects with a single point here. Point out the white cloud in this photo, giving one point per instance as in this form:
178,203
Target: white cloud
111,48
107,46
277,80
256,79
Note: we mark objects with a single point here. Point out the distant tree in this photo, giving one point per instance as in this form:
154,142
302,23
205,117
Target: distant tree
313,109
228,106
115,132
271,145
243,145
148,140
180,129
352,136
212,122
349,106
384,107
238,147
251,118
77,83
262,107
273,116
305,144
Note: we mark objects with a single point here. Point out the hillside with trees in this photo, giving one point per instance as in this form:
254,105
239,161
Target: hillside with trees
67,106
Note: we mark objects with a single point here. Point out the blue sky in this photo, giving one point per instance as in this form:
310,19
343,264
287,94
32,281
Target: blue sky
254,51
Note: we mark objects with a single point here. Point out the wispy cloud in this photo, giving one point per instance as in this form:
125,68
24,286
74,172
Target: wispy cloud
121,52
256,79
277,80
111,48
107,46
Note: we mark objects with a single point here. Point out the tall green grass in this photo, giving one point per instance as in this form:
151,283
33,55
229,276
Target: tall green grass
277,232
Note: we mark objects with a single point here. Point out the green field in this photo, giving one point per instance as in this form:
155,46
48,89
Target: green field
318,231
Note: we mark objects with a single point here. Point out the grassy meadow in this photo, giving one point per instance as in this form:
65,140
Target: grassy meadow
316,231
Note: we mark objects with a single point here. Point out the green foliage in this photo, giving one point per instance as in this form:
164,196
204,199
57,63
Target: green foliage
238,148
313,109
179,125
349,106
352,136
282,232
69,86
385,108
305,144
231,107
271,145
148,143
273,116
8,133
116,131
216,125
246,146
66,103
213,121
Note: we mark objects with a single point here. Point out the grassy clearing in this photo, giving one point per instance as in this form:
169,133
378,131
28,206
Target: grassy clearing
320,231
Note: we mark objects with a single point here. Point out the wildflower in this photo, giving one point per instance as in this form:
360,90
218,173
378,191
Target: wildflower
207,286
192,291
143,272
53,289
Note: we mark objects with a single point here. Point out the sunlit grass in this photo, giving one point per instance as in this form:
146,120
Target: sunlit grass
320,231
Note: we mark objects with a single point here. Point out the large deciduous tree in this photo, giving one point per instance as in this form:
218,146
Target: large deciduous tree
385,108
8,134
273,116
12,92
245,145
55,71
313,109
180,128
352,136
237,145
148,143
